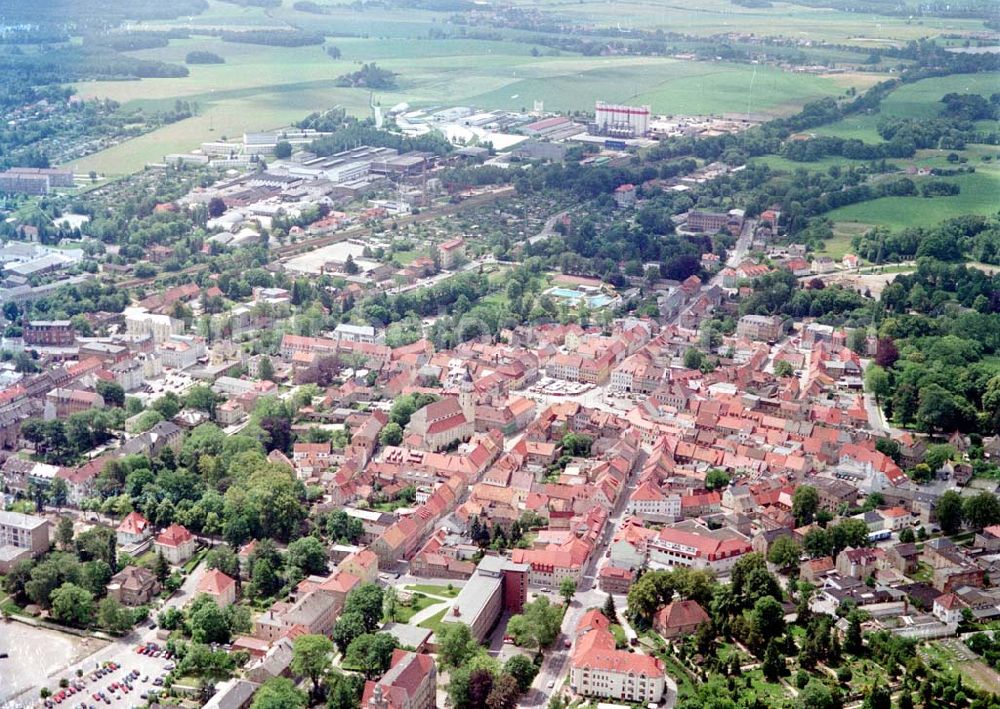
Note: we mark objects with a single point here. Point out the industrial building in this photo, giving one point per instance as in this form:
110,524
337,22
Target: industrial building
619,121
58,333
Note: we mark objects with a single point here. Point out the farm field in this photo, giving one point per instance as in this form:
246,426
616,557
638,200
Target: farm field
978,196
708,17
263,87
921,99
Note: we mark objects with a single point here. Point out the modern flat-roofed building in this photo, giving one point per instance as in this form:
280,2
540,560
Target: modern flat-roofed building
497,585
57,177
21,537
358,333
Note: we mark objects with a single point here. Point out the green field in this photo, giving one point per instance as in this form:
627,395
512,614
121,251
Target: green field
840,243
710,17
268,87
921,99
263,87
978,196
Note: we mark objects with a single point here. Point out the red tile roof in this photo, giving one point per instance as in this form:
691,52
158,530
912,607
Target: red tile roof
174,535
134,523
215,583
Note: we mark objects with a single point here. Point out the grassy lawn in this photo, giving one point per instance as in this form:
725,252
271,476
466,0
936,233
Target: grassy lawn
442,591
404,613
390,506
7,605
434,622
148,559
924,572
776,162
771,693
407,257
619,633
684,685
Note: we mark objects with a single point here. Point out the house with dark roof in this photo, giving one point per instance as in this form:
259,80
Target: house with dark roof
133,586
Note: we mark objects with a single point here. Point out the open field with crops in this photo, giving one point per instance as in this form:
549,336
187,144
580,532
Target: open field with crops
708,17
261,87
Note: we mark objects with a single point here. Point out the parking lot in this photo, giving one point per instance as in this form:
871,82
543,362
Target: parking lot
125,680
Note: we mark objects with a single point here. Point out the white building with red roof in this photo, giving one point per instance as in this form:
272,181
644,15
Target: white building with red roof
948,608
598,669
698,548
451,251
175,543
134,529
219,586
651,503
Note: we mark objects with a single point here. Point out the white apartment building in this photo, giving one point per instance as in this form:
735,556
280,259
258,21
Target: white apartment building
139,323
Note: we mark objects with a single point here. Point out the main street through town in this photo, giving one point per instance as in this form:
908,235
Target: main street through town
555,668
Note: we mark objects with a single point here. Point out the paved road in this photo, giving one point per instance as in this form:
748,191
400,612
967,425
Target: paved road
548,228
556,665
122,651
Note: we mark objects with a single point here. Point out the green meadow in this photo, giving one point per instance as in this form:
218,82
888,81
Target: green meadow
978,196
709,17
921,99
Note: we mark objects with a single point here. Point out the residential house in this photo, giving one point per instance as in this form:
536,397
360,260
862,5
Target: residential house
679,618
133,586
219,586
409,683
175,543
134,529
598,669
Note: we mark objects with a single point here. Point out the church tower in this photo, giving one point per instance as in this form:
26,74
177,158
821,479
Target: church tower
467,397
